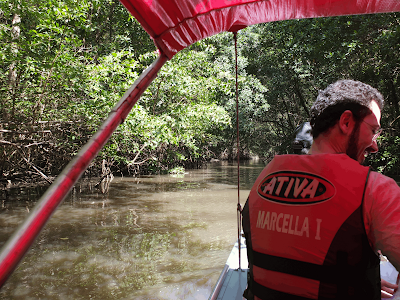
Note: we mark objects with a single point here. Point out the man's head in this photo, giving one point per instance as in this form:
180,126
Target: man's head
349,100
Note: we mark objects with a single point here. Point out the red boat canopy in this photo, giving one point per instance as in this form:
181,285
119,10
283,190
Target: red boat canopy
176,24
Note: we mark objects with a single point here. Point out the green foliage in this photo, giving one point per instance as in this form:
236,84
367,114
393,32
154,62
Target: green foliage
387,160
294,59
65,64
177,120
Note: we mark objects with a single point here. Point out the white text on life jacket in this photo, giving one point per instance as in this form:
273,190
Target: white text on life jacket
287,223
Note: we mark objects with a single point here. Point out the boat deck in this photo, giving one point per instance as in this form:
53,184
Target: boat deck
233,286
233,281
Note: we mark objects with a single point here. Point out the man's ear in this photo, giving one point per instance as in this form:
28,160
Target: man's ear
346,122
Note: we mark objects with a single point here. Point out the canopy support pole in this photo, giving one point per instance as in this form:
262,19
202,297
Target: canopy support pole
20,242
239,208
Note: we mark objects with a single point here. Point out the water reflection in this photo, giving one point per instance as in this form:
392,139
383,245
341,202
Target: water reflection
156,237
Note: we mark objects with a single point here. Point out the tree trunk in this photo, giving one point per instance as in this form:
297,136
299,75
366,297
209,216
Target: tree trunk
12,72
394,101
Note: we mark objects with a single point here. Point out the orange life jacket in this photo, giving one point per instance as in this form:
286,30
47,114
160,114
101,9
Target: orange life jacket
307,238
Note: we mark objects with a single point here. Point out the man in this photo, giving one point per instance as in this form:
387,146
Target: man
314,223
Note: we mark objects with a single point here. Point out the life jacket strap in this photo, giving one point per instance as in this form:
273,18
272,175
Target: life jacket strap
342,272
263,292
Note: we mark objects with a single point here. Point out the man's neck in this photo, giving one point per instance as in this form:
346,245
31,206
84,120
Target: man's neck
330,143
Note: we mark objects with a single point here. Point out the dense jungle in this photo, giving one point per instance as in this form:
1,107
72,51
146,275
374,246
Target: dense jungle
65,64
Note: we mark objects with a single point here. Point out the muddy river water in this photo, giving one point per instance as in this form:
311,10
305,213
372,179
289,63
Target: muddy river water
156,237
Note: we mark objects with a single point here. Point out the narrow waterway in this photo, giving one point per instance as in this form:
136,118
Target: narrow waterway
156,237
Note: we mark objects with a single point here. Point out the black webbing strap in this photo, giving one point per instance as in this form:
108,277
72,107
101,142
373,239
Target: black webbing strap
328,274
263,292
365,188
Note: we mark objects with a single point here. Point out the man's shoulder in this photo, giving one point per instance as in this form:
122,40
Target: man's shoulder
382,188
377,178
318,163
340,158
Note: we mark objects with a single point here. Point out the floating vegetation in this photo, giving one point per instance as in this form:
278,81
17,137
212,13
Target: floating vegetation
177,170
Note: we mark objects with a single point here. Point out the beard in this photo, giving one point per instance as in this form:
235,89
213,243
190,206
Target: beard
352,149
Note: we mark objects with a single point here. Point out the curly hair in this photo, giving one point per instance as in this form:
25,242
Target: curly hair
338,97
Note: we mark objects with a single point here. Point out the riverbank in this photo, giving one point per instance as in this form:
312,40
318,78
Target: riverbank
36,185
